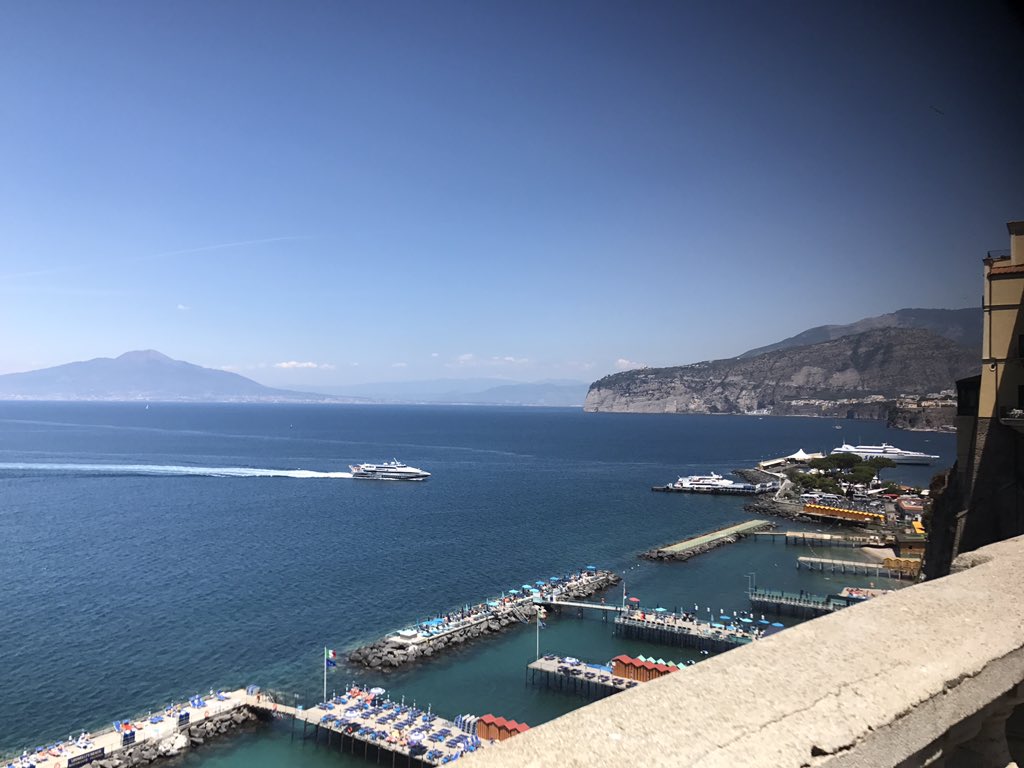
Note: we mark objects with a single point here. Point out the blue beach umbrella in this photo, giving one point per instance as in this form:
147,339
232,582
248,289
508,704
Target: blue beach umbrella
723,617
718,626
554,579
763,621
540,583
777,624
534,591
513,591
661,610
591,567
492,603
527,587
745,620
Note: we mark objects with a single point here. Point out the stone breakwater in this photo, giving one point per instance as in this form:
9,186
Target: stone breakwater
219,725
684,550
408,646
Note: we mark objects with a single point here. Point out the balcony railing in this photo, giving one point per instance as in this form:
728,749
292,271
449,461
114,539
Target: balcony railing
927,675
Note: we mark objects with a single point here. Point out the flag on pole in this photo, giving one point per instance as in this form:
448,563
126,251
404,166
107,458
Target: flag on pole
330,658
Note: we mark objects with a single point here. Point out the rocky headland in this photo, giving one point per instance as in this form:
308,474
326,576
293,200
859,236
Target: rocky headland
861,376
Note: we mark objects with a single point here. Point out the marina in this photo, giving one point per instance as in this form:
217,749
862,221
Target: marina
684,550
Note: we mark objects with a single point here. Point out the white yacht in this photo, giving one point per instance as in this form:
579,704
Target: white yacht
389,470
886,451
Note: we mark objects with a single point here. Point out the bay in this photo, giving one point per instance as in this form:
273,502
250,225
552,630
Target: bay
133,572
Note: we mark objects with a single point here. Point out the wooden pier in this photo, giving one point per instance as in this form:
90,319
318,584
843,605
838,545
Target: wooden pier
878,569
684,550
807,605
587,680
815,539
671,629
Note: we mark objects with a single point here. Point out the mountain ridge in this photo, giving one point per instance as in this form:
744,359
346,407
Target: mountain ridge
964,326
144,375
878,364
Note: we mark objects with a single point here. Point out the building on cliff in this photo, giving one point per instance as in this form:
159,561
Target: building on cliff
983,501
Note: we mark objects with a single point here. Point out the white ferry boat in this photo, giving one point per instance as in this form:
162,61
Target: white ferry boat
886,451
389,470
713,483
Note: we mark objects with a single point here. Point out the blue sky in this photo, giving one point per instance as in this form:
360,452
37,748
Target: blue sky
526,190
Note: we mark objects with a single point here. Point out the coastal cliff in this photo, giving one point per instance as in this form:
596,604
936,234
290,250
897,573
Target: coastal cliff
859,376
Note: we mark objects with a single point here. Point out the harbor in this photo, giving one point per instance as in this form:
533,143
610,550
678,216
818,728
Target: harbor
684,550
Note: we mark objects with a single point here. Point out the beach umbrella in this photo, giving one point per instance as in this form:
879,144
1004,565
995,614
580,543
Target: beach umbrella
553,579
513,591
591,567
540,583
724,617
534,591
634,599
745,620
527,587
777,624
763,621
718,626
492,603
661,610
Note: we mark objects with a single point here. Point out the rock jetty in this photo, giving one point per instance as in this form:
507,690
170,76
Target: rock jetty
698,545
430,638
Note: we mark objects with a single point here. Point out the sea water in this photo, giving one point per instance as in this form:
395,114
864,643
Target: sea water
147,554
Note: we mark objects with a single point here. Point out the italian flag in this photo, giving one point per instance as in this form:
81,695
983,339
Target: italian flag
330,655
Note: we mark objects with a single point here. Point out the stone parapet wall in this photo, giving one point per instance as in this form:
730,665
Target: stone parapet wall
928,675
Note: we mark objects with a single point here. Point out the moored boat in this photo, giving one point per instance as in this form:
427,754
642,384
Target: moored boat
886,451
713,483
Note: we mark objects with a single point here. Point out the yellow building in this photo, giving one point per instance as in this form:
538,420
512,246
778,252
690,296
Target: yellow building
983,501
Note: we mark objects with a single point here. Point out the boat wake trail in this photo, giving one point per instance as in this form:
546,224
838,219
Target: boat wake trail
161,470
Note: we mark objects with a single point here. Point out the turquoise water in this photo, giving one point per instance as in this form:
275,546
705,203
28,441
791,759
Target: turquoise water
125,588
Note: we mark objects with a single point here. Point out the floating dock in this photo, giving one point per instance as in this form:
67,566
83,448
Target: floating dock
688,548
590,680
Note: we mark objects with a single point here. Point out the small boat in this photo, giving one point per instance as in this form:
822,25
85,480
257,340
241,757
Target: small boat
389,470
